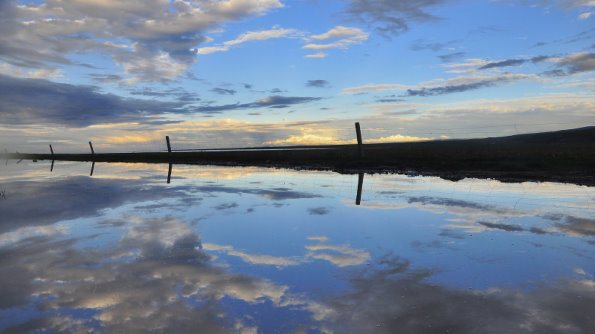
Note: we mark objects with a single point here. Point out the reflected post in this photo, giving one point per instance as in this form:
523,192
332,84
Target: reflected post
360,183
169,173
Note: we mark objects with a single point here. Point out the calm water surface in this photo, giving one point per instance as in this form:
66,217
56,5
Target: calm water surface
254,250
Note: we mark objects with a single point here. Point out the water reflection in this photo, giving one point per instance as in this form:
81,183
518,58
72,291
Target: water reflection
259,250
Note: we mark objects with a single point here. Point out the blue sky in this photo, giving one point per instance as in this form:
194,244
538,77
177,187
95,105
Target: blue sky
248,73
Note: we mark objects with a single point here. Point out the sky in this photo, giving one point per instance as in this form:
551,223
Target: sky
245,73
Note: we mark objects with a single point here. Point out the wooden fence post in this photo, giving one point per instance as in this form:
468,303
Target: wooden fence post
358,132
51,149
91,146
168,145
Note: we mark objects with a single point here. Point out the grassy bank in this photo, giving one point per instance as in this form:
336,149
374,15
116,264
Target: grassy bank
564,156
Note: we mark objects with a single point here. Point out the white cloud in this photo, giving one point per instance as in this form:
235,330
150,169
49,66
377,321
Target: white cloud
346,37
340,32
584,16
161,67
340,256
316,55
309,139
44,73
211,49
396,138
252,258
259,35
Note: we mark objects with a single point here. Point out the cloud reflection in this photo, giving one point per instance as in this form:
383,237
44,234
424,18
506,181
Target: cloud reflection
44,203
394,298
168,285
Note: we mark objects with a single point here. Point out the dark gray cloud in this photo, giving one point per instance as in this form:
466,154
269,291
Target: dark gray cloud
226,206
513,62
475,83
318,211
177,93
539,59
38,101
573,64
421,44
454,234
578,62
538,44
317,83
503,63
578,226
555,73
276,194
392,100
281,194
451,56
538,230
275,101
106,78
389,17
223,91
452,203
504,227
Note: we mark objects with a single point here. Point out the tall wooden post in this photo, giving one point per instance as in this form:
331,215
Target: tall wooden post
358,132
168,145
92,168
51,149
91,146
169,173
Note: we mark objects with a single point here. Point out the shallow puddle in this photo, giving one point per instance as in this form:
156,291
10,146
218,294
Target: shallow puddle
256,250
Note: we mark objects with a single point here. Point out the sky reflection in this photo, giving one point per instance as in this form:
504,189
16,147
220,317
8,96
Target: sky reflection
253,250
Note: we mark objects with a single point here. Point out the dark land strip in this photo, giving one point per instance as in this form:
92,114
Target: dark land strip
560,156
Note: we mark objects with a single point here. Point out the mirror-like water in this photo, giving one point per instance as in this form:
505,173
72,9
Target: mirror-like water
254,250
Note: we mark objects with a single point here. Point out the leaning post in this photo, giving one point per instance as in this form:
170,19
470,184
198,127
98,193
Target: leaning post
168,145
91,146
358,132
51,150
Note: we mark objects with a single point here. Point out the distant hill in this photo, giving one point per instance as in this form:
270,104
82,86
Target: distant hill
570,136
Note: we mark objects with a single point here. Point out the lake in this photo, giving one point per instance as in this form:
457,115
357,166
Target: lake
257,250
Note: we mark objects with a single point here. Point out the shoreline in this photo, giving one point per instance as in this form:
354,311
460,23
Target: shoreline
561,156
